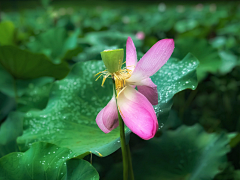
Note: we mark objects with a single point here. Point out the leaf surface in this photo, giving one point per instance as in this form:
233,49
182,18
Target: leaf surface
22,64
45,161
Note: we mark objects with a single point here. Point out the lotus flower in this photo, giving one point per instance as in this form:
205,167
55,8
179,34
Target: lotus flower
140,35
135,107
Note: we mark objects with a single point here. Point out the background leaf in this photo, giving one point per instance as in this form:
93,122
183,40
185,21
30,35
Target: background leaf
7,30
44,161
172,78
229,61
55,44
187,153
207,56
7,104
22,64
8,84
80,170
8,142
35,95
107,38
92,53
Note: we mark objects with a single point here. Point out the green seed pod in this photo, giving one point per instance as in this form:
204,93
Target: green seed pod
113,59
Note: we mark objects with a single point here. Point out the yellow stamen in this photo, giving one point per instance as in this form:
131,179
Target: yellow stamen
98,76
105,75
119,78
104,79
98,73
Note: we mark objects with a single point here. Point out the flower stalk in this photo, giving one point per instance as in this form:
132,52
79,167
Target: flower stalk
131,174
123,147
126,155
128,105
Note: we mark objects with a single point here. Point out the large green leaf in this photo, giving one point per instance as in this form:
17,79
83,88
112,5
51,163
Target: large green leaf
80,170
35,94
29,85
23,86
172,78
31,93
208,57
187,153
56,44
23,64
9,131
6,33
45,161
69,118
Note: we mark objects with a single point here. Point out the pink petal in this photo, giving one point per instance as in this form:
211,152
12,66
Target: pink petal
138,113
107,118
149,90
131,54
153,60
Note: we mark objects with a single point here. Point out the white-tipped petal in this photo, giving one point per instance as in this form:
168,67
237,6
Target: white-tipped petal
137,113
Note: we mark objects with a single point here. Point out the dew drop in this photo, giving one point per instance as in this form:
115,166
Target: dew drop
160,126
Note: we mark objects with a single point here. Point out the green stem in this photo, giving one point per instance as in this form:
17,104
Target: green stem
123,141
123,147
130,163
